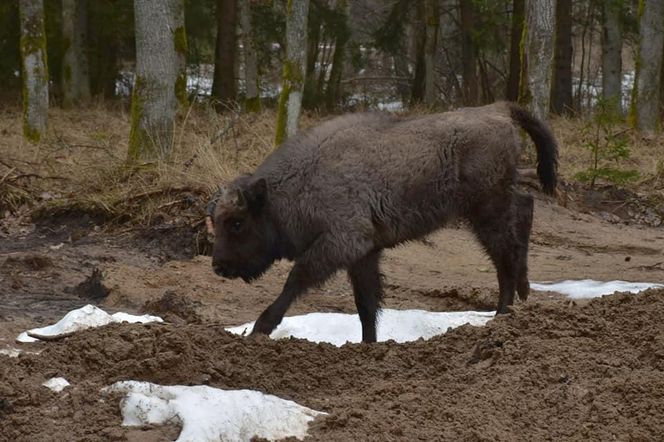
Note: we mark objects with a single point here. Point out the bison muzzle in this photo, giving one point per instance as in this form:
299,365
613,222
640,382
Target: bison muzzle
333,197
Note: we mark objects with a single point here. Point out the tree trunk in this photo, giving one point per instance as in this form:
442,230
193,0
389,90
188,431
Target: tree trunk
431,15
160,37
518,11
418,45
342,30
224,90
561,92
293,75
649,65
252,99
540,18
75,71
34,69
612,52
468,53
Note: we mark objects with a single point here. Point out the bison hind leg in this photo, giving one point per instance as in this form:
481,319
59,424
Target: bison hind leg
364,276
499,225
524,223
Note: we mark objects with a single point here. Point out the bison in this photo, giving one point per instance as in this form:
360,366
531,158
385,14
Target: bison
335,196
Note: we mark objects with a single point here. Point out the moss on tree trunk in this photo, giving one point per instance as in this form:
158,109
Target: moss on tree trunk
34,69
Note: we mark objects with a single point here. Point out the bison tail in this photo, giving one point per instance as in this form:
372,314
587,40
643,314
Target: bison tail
547,148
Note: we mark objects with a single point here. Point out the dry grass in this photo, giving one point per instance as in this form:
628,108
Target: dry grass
81,162
646,151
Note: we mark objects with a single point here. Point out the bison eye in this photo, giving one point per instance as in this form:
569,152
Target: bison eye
235,225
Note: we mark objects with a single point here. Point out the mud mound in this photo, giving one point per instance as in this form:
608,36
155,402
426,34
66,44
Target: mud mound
173,307
548,371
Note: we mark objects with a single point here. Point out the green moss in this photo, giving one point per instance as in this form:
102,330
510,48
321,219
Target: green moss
252,104
282,115
137,135
32,41
292,78
30,133
180,40
181,89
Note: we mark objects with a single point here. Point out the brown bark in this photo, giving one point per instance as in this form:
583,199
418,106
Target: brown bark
513,81
224,89
469,53
561,87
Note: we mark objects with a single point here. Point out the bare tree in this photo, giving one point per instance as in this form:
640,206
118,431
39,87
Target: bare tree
649,66
333,92
252,100
469,53
75,71
514,78
34,72
431,13
561,91
294,70
223,85
160,47
612,51
540,21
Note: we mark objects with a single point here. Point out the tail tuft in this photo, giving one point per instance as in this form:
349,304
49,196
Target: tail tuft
547,148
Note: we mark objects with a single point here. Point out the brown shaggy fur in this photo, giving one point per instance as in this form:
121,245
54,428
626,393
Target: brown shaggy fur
335,196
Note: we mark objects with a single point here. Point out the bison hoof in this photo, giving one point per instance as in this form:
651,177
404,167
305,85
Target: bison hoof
261,328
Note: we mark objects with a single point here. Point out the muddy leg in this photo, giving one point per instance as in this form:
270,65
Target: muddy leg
311,269
367,289
524,209
495,224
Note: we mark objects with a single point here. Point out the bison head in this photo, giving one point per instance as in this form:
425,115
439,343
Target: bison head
244,237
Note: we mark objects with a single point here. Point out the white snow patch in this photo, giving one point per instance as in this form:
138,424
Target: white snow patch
399,325
11,352
56,384
587,288
82,318
212,414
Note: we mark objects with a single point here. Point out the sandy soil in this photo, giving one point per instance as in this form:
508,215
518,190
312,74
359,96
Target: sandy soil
552,370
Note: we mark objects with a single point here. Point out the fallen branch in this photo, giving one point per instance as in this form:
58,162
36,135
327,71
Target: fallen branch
50,338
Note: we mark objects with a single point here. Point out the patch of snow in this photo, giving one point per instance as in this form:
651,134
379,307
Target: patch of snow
399,325
56,384
82,318
587,288
11,352
212,414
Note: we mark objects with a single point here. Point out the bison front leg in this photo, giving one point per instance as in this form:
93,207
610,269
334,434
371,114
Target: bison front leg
367,289
328,254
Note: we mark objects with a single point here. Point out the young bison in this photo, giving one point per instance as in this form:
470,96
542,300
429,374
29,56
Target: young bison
335,196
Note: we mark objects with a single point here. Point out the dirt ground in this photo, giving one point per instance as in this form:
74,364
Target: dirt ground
552,370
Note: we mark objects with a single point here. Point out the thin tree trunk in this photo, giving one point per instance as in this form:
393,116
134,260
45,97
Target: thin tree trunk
34,69
586,25
294,70
224,89
468,53
333,92
612,52
432,23
310,98
252,101
518,8
75,71
159,28
418,48
540,18
649,67
561,93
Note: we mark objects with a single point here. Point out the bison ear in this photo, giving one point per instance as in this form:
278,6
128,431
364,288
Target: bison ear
257,194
